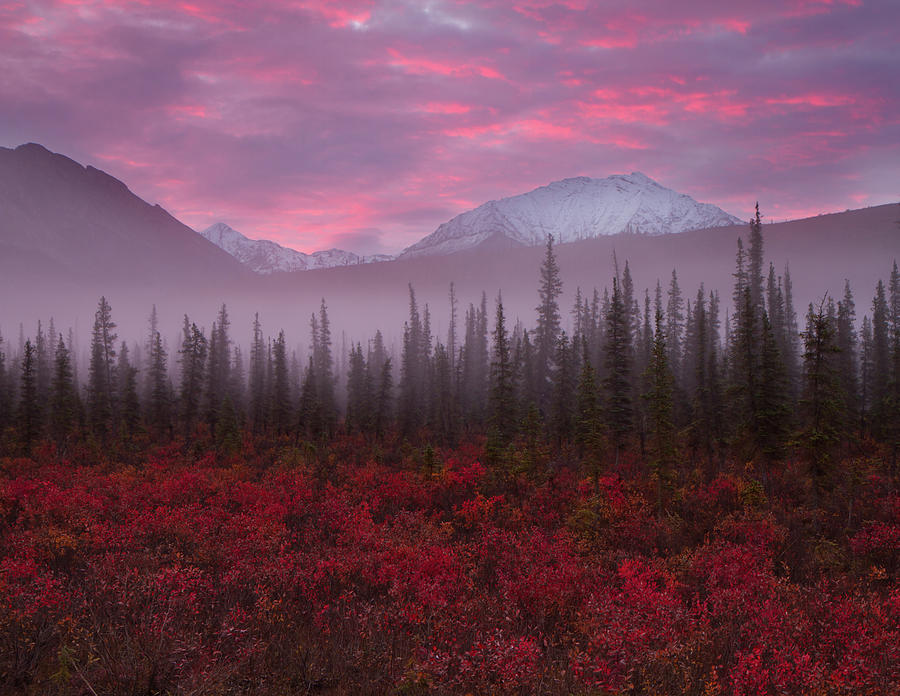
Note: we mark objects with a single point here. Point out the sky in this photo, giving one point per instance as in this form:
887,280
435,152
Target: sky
365,124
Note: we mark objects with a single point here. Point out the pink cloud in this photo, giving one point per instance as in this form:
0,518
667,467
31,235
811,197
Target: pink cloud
315,121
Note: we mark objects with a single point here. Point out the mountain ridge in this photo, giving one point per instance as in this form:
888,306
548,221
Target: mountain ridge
573,209
264,256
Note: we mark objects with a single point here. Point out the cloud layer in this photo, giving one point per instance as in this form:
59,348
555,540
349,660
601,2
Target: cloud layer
366,123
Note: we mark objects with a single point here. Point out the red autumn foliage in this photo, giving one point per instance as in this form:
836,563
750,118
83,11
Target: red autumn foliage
283,572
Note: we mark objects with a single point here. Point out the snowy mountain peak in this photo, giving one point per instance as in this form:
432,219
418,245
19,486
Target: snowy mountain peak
573,209
264,256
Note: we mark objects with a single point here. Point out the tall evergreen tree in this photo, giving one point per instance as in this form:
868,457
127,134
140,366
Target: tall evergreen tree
44,370
546,334
324,364
881,359
358,396
444,409
755,263
866,372
451,331
565,376
847,358
588,414
280,406
659,397
193,365
258,395
63,404
674,324
29,408
502,405
6,405
773,412
412,368
822,402
618,369
159,406
128,403
384,400
101,382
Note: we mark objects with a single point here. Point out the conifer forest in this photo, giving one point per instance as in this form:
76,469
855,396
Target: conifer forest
655,491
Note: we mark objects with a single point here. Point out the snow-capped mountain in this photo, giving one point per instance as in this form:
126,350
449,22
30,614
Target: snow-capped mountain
574,209
264,256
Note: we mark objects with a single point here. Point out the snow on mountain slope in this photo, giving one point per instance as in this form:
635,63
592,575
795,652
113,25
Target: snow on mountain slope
264,256
574,209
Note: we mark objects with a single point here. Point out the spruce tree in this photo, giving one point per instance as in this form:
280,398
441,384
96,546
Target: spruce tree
310,410
29,407
618,369
6,405
674,325
280,406
384,401
565,375
128,403
546,333
63,405
101,382
444,411
881,360
588,415
159,406
659,397
773,412
823,409
44,371
193,365
258,396
411,398
866,372
847,358
755,263
501,402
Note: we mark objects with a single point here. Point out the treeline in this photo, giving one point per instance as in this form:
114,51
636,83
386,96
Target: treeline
658,372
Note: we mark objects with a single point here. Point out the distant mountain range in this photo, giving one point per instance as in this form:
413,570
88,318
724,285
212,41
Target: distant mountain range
570,210
264,256
70,233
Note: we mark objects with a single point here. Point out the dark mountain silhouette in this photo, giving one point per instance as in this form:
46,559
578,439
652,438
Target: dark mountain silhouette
63,220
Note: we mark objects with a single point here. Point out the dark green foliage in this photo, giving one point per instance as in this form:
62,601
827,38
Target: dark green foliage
502,398
359,393
660,406
310,410
159,407
546,333
444,409
847,359
101,382
129,408
193,364
6,405
773,413
755,263
616,383
64,398
258,365
280,407
588,415
29,415
324,364
822,401
674,324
